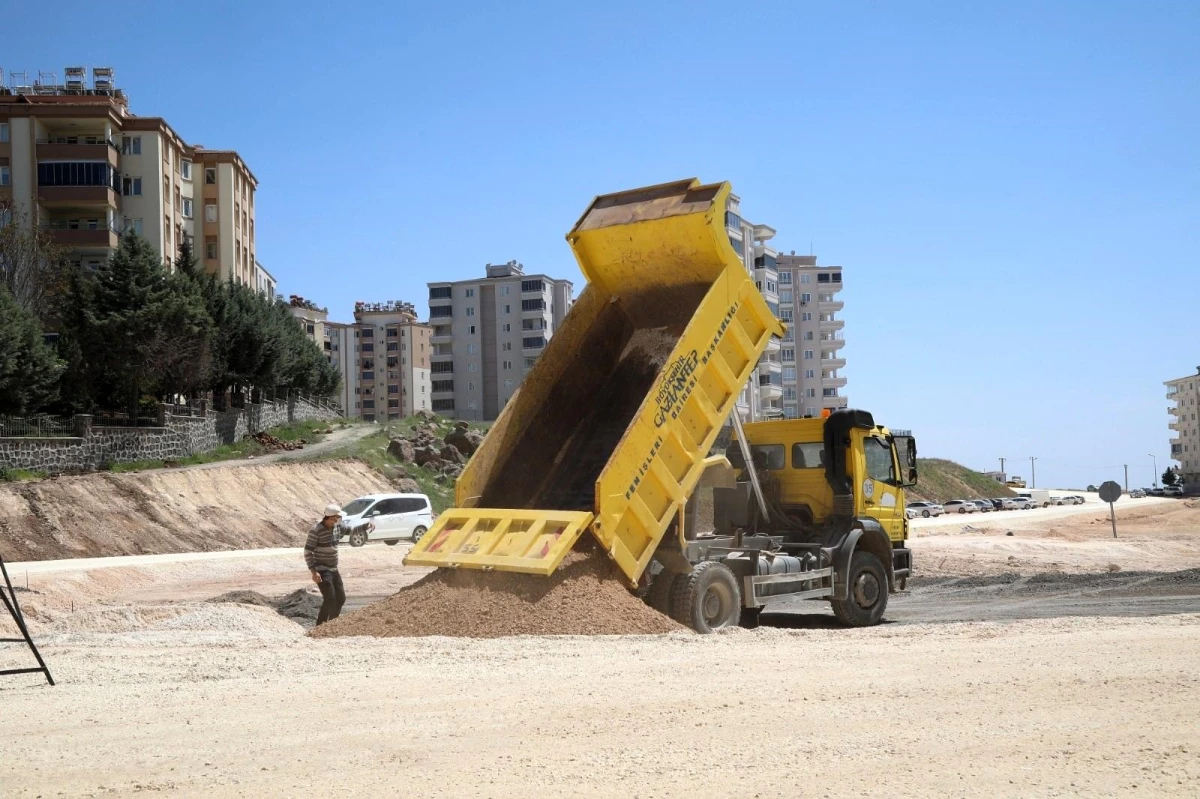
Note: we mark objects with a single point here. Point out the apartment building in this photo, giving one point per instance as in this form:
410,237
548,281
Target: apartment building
487,334
762,398
1185,444
339,346
392,367
75,160
312,317
811,350
264,282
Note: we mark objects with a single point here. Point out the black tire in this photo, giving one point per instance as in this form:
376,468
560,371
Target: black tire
392,542
868,589
925,513
707,599
417,533
962,510
358,538
659,595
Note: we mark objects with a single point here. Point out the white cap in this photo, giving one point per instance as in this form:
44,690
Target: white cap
332,510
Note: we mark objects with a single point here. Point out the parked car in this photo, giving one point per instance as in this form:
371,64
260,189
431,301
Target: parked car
1158,492
1021,503
924,509
1060,501
1173,491
1004,503
1078,499
960,506
985,505
392,516
1137,493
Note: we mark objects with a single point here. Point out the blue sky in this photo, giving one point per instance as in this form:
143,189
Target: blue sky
1012,188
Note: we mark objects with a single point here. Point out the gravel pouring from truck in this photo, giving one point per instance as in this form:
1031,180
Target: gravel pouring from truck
612,430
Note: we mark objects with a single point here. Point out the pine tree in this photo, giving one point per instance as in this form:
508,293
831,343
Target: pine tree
28,370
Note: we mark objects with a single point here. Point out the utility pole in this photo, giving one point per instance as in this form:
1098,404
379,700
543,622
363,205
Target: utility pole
1154,461
1033,472
1002,466
1127,478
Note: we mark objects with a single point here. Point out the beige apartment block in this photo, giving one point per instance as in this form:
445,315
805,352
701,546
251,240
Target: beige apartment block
393,361
312,318
75,160
1185,441
811,351
264,282
339,345
487,334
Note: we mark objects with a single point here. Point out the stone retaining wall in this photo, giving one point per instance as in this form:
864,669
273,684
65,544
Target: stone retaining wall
176,437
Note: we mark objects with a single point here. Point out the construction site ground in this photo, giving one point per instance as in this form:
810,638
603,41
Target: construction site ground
1053,661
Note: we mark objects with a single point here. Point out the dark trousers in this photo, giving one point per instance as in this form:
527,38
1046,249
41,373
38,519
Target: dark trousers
333,595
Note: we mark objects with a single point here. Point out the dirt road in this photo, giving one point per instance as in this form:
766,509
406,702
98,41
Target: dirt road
334,440
213,704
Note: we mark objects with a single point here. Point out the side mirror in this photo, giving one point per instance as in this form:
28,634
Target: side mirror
906,453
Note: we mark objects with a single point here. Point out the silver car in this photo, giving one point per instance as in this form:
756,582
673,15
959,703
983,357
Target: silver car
960,506
1021,503
924,509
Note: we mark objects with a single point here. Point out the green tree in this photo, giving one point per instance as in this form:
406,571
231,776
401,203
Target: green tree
32,264
28,370
1169,478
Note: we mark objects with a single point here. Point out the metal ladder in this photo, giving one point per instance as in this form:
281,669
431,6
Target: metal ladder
14,610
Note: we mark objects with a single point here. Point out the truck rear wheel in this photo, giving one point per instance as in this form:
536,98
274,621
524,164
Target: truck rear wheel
868,592
707,599
659,595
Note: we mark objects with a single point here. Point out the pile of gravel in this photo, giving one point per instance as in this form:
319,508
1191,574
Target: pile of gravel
584,597
301,606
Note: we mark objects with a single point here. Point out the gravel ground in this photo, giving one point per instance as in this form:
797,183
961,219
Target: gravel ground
232,700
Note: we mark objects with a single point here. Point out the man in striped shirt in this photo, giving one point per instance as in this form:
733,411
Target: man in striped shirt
321,556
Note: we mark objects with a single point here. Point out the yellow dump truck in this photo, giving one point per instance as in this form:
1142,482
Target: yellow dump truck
616,431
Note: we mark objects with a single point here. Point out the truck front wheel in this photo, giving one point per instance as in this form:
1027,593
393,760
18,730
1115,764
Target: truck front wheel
868,592
708,598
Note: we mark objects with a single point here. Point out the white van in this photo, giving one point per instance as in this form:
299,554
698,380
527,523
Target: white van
393,517
1039,498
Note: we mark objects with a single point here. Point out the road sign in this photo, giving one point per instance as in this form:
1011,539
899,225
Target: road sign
1110,492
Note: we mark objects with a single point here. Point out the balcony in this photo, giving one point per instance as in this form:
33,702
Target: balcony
773,344
830,343
830,305
833,363
835,402
1175,442
833,382
1173,410
832,325
60,196
75,235
770,385
442,338
59,149
772,365
1172,392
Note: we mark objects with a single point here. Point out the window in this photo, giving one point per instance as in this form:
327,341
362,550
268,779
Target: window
443,405
131,145
368,347
368,403
507,347
187,208
210,247
508,383
829,392
533,324
470,329
210,175
367,376
808,335
789,392
393,346
532,285
808,456
810,392
533,305
809,374
879,460
470,405
507,328
131,187
806,316
786,297
5,178
472,367
441,367
805,298
533,342
787,354
391,332
210,212
470,385
789,373
529,362
439,293
785,278
436,311
506,290
805,278
75,173
393,389
471,311
472,348
469,293
508,366
785,314
3,131
808,355
132,224
508,309
185,168
393,403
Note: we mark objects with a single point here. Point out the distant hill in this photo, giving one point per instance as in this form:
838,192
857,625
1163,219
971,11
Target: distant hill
941,480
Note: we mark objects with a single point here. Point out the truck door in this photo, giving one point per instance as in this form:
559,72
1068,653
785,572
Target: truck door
879,486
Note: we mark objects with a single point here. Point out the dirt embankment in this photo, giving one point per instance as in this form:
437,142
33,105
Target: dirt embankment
101,515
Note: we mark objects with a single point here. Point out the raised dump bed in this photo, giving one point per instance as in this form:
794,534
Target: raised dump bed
610,428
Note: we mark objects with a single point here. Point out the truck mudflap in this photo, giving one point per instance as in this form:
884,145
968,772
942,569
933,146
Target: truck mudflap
527,541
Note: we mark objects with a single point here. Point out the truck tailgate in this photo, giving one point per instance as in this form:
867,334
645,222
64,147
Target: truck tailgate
529,541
